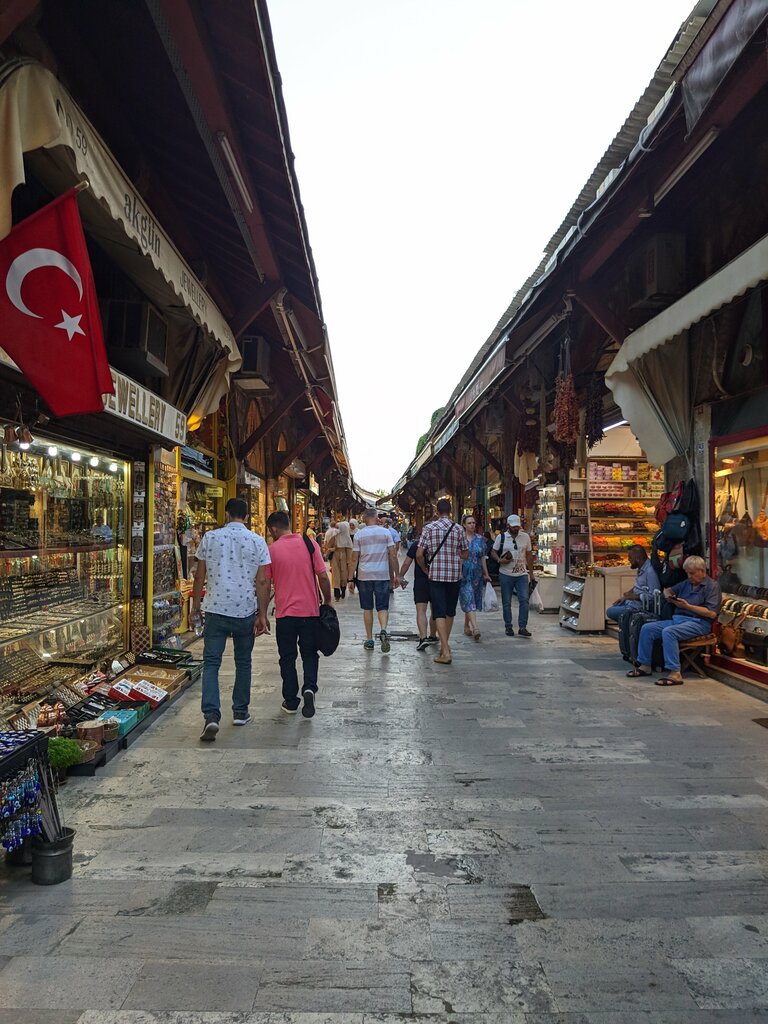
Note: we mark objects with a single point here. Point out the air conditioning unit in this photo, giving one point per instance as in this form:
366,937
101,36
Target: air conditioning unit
136,336
656,272
254,374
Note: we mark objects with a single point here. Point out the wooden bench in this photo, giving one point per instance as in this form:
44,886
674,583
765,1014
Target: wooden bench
691,652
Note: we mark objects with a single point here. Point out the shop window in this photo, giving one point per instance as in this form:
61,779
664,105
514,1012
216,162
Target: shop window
740,524
63,584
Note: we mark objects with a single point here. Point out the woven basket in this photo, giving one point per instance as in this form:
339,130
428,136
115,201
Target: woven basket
89,750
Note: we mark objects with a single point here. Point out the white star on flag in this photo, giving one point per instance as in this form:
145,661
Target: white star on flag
71,324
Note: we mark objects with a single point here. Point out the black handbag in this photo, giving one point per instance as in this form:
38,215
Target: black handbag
328,631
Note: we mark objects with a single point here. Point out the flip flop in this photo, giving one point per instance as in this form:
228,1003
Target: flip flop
666,681
636,674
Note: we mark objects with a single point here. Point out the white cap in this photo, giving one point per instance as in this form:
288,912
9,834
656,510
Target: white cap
513,520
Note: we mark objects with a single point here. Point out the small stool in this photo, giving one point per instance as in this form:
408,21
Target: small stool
691,652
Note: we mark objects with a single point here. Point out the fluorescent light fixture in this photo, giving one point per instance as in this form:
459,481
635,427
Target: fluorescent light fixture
618,423
235,171
76,456
685,165
93,461
53,451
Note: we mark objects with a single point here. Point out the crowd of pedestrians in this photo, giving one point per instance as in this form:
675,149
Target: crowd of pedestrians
237,573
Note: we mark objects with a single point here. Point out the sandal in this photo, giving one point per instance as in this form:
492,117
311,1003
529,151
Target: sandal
636,674
666,681
477,635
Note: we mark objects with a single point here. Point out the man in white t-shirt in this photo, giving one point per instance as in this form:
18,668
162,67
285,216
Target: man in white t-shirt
374,566
231,566
514,553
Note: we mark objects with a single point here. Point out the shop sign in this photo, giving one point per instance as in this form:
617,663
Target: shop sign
252,480
143,407
313,483
424,455
445,437
481,381
214,492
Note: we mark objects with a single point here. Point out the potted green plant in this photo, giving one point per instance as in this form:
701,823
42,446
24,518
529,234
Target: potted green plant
63,753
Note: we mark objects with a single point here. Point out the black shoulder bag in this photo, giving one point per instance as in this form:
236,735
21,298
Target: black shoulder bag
328,630
445,538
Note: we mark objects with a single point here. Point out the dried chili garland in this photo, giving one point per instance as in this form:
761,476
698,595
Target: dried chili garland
593,422
566,410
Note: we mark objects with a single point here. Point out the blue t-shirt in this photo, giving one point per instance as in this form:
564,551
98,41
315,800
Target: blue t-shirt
706,594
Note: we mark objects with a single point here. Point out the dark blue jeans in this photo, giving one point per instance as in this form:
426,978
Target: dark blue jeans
290,631
217,629
514,585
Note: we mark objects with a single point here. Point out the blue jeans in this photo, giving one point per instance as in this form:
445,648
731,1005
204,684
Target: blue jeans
514,585
616,611
289,630
217,629
681,627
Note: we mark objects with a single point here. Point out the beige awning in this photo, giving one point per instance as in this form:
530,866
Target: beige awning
36,113
649,375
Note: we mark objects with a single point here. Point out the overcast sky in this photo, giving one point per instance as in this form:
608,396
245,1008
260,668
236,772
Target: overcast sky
439,144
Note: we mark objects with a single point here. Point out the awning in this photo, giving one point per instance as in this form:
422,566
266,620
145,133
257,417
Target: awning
649,375
36,112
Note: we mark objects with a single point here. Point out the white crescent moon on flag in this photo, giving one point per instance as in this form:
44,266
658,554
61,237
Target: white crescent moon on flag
34,259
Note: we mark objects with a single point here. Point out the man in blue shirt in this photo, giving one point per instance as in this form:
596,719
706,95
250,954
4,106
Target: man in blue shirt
697,603
647,581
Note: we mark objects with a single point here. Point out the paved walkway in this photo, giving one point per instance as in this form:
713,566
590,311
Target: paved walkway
524,837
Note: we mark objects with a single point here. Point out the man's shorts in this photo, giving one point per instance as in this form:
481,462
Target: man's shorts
443,597
370,589
421,591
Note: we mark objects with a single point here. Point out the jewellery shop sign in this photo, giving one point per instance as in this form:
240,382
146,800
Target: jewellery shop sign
138,405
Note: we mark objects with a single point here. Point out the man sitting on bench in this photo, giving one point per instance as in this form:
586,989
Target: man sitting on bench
647,581
697,603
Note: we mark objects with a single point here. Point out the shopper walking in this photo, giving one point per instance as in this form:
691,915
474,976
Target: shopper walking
295,572
342,557
441,550
474,576
427,636
514,553
231,567
374,571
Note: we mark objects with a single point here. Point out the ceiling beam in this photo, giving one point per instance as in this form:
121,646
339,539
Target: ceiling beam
462,473
298,448
268,422
489,457
259,299
12,14
588,299
190,55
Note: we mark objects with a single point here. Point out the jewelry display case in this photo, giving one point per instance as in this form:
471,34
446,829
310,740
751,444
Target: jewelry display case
63,586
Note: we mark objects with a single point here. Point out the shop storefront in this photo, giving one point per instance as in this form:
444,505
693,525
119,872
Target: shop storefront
739,545
253,491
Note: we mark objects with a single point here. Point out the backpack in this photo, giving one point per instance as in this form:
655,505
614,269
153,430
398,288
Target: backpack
667,502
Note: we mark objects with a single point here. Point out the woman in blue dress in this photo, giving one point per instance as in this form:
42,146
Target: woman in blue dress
474,576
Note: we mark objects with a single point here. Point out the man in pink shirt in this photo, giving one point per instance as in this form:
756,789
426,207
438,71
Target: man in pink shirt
295,575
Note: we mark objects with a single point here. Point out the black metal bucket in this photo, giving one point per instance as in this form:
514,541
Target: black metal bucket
52,862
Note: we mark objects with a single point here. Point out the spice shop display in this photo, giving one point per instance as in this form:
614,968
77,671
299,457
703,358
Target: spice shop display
622,500
549,529
62,563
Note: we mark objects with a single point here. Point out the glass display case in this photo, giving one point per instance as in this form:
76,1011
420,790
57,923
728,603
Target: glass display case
740,525
63,571
166,558
548,528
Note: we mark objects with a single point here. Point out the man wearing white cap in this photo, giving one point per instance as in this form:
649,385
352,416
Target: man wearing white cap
514,553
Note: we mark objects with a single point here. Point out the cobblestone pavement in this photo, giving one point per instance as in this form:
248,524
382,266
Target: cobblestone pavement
523,837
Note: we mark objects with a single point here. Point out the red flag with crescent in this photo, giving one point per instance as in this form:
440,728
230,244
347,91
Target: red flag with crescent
49,314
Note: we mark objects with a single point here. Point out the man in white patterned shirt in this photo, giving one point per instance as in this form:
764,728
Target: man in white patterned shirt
231,565
443,547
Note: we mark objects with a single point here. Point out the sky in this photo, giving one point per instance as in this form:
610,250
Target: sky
439,145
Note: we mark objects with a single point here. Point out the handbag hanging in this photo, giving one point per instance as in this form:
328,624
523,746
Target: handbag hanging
725,516
743,529
761,523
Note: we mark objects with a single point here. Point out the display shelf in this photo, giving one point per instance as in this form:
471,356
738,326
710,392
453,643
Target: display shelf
622,493
582,608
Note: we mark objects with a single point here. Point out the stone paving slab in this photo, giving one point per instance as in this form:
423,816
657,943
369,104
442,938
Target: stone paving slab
523,837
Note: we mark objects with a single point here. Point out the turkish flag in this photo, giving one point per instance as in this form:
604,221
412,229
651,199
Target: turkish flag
49,315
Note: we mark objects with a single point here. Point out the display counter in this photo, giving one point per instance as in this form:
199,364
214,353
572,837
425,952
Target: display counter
63,571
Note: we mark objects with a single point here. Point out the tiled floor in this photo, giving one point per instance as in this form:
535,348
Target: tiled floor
523,837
